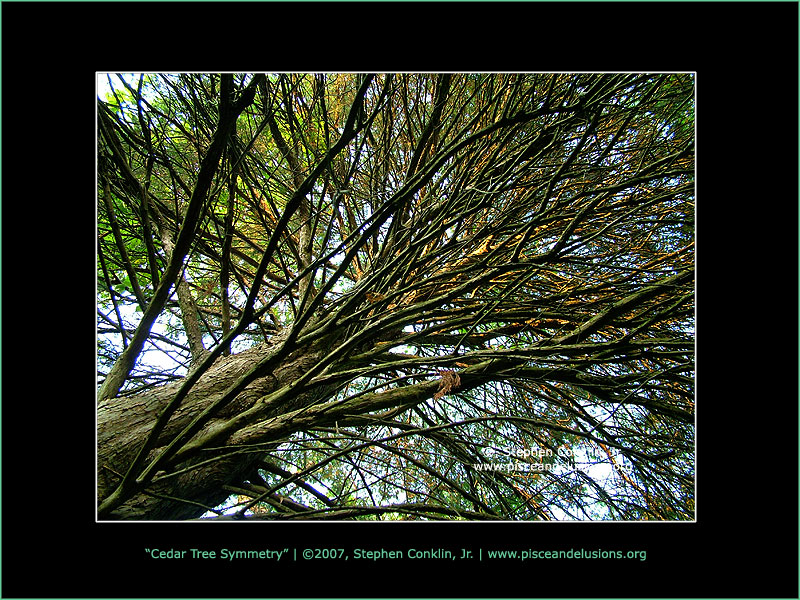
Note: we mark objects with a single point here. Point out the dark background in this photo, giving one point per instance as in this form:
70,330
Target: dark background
744,543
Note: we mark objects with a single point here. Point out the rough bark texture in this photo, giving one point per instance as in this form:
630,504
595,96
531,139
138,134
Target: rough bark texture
124,424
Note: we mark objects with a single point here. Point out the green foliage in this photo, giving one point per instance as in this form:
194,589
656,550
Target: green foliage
528,236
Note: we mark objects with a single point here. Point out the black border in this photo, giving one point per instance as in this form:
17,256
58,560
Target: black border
745,55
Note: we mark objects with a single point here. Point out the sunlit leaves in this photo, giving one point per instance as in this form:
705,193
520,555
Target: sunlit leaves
510,220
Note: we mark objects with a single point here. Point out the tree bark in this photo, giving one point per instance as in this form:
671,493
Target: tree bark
228,448
124,424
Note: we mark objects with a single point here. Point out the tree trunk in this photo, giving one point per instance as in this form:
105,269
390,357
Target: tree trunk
124,424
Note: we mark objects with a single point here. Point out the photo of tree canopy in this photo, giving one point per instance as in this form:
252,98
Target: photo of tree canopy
458,296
